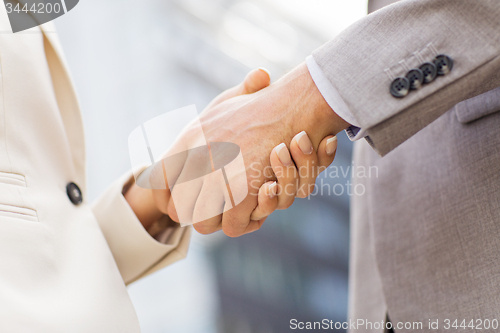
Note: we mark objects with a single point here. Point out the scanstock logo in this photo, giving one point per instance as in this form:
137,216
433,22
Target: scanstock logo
26,14
170,152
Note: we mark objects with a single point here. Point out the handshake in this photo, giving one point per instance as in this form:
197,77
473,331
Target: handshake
284,134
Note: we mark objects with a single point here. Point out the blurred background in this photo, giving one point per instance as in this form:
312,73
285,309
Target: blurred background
134,60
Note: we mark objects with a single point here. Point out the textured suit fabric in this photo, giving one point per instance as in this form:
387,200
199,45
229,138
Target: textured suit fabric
63,268
425,235
363,60
430,222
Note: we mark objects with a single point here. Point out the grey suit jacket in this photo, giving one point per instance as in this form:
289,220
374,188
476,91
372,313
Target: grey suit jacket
425,234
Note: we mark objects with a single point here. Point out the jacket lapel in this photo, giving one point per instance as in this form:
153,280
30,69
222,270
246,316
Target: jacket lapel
67,100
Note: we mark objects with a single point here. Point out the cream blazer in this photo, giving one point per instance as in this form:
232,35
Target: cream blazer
63,267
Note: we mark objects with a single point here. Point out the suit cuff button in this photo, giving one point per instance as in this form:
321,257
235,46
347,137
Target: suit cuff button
429,70
400,87
443,63
416,78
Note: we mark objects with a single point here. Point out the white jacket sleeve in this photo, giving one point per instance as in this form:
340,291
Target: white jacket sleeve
135,251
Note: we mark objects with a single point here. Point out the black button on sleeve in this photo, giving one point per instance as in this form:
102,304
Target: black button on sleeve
443,63
74,193
400,87
429,70
416,78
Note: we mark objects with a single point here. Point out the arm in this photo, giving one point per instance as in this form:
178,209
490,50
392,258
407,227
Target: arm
135,251
141,237
256,123
362,62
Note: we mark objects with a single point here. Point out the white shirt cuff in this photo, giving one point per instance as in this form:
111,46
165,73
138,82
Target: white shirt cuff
355,133
334,100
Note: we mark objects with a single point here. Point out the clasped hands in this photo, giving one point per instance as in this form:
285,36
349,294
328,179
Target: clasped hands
286,127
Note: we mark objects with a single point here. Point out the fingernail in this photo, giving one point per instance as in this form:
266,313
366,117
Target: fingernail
266,71
304,143
273,190
331,145
283,154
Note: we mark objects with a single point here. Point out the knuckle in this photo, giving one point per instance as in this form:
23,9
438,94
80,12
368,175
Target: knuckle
203,229
257,227
285,204
232,228
305,190
231,232
301,194
302,191
269,206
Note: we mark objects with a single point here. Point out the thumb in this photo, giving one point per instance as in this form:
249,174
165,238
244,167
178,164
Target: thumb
254,81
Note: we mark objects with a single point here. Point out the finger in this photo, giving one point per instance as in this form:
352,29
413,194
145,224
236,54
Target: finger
171,211
253,82
306,160
267,201
326,152
255,225
160,187
287,175
180,207
209,226
236,221
209,207
164,173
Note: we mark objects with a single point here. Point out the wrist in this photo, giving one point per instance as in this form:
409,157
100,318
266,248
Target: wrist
311,111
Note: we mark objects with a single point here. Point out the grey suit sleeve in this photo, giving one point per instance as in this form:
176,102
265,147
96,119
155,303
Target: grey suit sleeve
364,59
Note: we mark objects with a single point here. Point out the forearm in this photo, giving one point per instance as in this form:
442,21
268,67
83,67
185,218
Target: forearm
298,94
298,106
364,60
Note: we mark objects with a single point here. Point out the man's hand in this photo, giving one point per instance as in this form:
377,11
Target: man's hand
257,123
150,206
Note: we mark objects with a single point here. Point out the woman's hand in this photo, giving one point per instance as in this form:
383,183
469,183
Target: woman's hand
150,205
293,179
